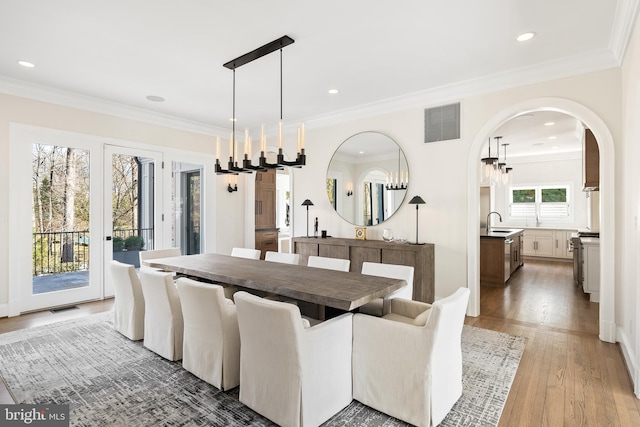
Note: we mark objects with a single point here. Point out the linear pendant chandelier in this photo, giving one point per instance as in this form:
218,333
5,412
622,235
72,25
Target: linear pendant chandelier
246,165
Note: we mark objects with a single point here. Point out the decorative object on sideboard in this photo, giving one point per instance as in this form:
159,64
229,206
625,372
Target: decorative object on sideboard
387,235
417,200
246,166
307,203
315,228
361,233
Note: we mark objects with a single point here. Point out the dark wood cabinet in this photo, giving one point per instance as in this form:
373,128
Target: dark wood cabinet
420,257
266,240
266,233
591,162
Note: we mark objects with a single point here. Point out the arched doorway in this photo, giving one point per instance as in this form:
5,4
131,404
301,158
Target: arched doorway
607,186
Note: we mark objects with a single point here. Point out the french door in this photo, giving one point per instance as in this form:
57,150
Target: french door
56,223
132,206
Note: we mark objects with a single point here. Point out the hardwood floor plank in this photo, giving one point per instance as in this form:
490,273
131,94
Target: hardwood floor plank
567,376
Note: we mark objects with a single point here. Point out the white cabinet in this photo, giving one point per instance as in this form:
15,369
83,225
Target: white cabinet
591,267
561,242
538,242
547,243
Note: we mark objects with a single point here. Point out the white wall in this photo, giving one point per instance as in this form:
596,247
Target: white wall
439,170
628,276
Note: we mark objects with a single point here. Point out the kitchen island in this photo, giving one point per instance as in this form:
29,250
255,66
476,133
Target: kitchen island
500,255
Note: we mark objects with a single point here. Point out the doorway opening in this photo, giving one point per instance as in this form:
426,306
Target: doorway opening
606,210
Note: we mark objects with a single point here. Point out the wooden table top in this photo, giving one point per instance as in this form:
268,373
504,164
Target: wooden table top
342,290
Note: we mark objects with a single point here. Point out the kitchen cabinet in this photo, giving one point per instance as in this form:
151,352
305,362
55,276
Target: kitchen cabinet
591,267
266,233
420,257
538,243
547,243
516,254
500,255
561,244
590,162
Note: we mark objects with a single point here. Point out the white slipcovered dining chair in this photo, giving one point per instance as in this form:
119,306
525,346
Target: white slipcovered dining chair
163,321
292,374
145,256
128,307
282,257
337,264
211,348
409,363
246,253
390,271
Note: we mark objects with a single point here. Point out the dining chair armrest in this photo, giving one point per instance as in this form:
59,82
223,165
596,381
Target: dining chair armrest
408,308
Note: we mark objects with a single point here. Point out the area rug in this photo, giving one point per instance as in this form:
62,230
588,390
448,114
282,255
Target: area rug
110,381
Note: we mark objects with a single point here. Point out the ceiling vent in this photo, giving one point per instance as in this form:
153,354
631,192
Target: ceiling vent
442,123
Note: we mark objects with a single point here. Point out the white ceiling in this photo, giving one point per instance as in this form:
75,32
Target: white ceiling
376,53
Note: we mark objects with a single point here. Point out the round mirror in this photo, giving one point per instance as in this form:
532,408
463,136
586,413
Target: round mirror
367,178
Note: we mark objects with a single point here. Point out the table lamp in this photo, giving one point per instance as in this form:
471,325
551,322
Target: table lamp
417,200
308,203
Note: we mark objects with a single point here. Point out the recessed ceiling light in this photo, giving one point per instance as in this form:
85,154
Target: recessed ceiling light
360,152
155,98
26,64
550,123
553,137
525,36
333,91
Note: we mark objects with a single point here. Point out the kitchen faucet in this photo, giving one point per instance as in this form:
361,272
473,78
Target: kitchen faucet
492,212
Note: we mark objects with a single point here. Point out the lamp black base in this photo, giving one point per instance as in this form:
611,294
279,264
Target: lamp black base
411,243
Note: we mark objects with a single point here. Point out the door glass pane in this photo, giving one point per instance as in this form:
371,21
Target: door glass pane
187,207
132,207
60,239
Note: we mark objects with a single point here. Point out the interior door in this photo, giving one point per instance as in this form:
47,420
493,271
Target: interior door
132,206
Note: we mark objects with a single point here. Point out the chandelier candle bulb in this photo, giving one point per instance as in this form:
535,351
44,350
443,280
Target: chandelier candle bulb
218,148
280,134
302,137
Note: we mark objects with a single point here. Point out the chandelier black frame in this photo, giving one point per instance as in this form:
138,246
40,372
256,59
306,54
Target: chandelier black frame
247,166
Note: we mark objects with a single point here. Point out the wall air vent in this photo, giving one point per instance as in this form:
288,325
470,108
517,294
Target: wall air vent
442,123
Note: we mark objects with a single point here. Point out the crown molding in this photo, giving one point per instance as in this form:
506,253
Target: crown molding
551,70
50,95
622,29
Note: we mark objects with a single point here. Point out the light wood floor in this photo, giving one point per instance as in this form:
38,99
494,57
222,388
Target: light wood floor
567,376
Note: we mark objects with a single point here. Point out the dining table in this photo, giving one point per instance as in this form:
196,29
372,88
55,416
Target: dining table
338,289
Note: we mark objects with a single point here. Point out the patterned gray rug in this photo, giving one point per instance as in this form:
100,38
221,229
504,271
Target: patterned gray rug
111,381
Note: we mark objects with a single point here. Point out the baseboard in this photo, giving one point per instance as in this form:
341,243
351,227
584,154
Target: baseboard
630,359
608,332
4,310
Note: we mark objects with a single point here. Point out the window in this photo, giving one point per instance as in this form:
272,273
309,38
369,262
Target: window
540,202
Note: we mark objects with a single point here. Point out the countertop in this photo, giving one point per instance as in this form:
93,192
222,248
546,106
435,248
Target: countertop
500,233
590,240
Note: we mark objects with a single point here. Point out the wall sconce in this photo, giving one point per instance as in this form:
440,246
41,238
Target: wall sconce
349,189
234,187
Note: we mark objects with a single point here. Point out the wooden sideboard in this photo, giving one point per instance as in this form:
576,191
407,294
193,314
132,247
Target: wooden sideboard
421,257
